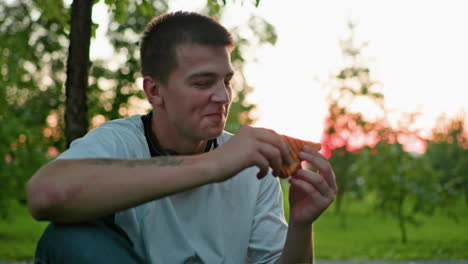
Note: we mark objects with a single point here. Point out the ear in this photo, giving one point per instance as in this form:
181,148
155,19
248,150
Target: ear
152,90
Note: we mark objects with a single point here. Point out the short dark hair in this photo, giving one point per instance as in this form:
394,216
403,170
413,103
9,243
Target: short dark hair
164,33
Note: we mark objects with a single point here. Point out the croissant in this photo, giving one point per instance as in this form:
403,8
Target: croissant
296,146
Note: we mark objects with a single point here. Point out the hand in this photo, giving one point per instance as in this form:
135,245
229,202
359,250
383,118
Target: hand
311,192
251,146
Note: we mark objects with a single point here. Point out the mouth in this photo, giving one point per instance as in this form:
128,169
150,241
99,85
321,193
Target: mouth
216,113
217,116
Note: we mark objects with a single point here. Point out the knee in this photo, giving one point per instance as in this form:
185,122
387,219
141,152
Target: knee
61,243
67,235
83,243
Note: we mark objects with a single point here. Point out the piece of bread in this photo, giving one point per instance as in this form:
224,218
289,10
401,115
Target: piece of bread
296,146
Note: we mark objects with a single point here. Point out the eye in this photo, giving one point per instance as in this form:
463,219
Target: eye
227,81
203,84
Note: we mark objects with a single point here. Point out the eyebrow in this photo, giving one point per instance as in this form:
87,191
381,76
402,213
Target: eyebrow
208,74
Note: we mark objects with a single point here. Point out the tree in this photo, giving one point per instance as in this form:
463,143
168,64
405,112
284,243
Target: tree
33,48
404,185
31,77
76,122
347,129
448,153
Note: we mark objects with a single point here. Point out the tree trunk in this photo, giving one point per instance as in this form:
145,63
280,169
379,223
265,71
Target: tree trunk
401,216
401,221
338,199
342,181
76,110
466,191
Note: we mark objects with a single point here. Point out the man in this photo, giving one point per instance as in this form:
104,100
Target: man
172,186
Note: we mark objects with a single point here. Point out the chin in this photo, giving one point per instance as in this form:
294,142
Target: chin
213,132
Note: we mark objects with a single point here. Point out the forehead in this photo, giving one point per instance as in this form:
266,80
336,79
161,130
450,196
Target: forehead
193,58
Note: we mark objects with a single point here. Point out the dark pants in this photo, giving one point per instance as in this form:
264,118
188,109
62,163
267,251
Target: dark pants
94,242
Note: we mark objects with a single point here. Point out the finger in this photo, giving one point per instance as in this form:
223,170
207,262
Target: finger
316,180
322,165
262,163
310,190
286,150
271,137
273,157
314,152
316,160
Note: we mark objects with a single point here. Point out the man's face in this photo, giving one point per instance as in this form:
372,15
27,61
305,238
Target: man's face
198,92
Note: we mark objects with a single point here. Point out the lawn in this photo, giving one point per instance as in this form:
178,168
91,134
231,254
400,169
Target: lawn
370,235
362,233
19,234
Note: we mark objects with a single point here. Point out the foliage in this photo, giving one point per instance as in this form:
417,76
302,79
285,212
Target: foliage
113,90
349,183
352,85
33,52
31,76
404,185
448,152
348,129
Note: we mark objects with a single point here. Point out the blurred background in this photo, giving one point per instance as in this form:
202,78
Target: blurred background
381,84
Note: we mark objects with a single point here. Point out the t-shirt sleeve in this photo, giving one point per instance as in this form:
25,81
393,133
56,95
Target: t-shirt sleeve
269,225
118,140
106,141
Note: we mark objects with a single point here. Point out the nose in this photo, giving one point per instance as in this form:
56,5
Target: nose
222,93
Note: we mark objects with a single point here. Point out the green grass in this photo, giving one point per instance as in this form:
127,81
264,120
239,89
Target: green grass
370,235
361,233
19,235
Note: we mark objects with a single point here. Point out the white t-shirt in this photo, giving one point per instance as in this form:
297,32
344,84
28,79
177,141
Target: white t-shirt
240,220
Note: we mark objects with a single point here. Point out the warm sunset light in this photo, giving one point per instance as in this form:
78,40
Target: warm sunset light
416,52
115,131
419,60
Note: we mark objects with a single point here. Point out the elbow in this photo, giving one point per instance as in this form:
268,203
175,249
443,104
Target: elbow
43,198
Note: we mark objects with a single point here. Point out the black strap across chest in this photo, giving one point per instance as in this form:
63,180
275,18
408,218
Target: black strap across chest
155,150
153,143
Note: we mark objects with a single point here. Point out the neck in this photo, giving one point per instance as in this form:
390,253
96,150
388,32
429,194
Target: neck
170,138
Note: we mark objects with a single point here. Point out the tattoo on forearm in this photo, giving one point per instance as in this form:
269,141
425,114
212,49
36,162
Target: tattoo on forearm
163,161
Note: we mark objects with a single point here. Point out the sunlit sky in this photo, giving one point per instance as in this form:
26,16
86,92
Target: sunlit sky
418,51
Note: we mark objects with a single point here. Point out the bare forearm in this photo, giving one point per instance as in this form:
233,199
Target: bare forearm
78,190
299,245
